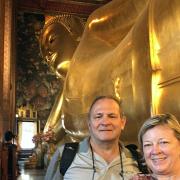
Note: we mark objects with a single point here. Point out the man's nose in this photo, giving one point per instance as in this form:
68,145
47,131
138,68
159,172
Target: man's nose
105,120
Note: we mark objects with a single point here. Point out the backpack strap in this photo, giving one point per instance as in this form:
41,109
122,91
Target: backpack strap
69,152
138,158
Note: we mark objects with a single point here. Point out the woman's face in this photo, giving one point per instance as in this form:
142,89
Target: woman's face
57,47
162,150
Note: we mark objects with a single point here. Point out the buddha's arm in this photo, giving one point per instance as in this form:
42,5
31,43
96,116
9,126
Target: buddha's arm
54,119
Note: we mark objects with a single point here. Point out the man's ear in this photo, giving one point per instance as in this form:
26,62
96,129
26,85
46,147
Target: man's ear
123,122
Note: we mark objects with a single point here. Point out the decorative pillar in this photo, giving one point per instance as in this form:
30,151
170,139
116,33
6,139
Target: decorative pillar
7,65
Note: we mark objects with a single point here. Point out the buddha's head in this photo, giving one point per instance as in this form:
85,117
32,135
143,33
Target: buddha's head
59,39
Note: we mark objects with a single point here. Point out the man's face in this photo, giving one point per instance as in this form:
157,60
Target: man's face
161,150
105,123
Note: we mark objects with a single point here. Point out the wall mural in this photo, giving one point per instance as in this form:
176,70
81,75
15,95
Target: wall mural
36,85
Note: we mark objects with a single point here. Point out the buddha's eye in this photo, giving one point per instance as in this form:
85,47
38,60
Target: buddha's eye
51,39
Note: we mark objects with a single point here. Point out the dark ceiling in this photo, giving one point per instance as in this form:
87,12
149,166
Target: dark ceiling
78,7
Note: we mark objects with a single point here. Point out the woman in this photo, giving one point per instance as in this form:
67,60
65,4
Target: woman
159,139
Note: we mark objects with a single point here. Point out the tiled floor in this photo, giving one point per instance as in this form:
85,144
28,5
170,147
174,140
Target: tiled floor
32,174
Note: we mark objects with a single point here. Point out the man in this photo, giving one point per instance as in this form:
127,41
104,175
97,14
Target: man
101,155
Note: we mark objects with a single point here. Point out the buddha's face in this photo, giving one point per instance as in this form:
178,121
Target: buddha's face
57,48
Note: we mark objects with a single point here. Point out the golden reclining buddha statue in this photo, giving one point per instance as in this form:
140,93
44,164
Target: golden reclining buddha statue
129,49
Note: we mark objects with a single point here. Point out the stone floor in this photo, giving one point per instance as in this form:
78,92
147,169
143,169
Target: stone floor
28,173
32,174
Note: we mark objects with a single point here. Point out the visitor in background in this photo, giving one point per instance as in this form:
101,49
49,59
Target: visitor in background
9,139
